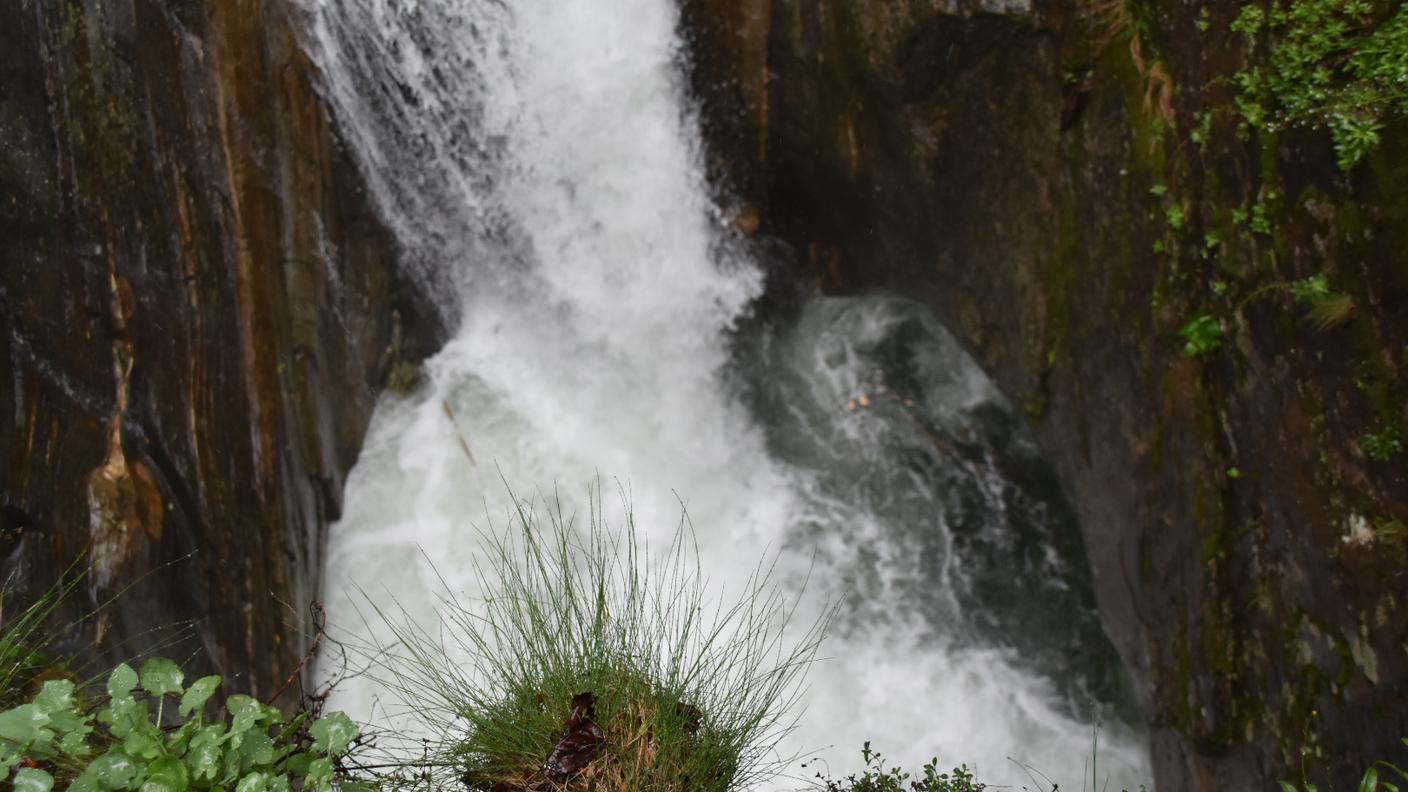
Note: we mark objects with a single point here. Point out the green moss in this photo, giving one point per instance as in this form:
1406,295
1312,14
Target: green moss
100,105
1059,279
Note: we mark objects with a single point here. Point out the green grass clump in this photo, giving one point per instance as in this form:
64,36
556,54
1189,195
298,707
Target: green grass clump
689,692
23,637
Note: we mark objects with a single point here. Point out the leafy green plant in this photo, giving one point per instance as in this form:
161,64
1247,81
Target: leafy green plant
1175,216
1340,65
1383,444
1202,127
120,746
1328,308
875,777
1370,782
1311,290
1261,219
591,664
1201,334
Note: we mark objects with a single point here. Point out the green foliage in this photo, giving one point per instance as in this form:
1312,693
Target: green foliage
1256,218
1328,308
1202,127
1340,65
1311,290
1175,216
875,777
690,692
120,746
1383,444
1371,781
1201,334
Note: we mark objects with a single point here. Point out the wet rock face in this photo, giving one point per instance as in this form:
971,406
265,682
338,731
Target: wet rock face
1032,173
195,315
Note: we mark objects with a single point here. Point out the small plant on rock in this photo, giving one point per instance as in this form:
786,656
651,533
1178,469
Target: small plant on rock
591,665
1202,335
1340,65
1371,781
875,777
117,743
1383,444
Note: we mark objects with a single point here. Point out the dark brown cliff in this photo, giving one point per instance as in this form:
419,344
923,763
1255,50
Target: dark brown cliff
196,315
1067,185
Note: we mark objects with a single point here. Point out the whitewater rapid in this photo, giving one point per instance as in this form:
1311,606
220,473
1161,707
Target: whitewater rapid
540,165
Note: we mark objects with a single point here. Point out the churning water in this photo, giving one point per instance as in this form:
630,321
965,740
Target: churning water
540,166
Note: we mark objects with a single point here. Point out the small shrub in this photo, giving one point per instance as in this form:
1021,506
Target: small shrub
1202,335
875,777
1311,290
119,746
1340,65
1383,444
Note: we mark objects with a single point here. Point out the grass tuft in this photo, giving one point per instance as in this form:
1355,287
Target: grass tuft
593,665
24,637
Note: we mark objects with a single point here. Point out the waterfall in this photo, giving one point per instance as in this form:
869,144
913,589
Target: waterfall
540,166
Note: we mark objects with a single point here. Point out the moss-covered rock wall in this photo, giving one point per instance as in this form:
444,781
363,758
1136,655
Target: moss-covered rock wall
196,313
1072,186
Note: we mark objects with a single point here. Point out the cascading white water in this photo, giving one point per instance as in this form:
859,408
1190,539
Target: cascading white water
540,167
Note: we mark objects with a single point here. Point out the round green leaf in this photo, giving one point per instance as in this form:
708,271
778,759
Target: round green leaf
203,759
195,697
142,745
167,774
213,734
298,763
126,715
319,775
9,757
23,724
245,712
333,734
121,681
254,782
75,743
28,779
257,750
161,677
114,770
55,696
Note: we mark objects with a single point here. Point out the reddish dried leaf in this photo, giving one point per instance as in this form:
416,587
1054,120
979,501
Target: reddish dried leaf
582,742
